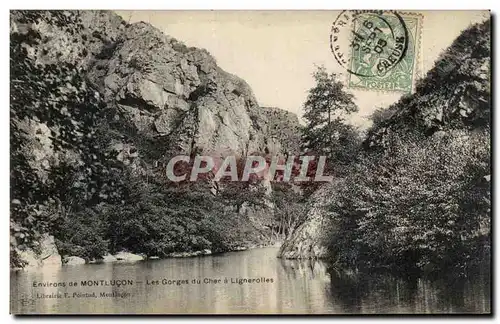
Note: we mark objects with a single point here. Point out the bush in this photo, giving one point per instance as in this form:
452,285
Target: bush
82,234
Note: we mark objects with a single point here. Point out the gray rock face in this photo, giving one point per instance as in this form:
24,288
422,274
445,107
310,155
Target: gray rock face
48,256
163,88
167,89
457,96
310,240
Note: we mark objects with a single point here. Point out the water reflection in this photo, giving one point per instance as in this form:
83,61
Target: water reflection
387,294
297,287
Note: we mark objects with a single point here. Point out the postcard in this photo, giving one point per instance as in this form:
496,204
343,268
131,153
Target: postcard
250,162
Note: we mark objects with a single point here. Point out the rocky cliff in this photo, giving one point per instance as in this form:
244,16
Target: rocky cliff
454,95
165,89
90,91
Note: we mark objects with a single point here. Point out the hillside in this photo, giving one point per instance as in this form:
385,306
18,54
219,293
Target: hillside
98,106
419,196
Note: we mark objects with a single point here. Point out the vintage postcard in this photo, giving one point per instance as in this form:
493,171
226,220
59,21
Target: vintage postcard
250,162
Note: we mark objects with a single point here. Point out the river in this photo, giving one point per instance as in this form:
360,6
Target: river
257,282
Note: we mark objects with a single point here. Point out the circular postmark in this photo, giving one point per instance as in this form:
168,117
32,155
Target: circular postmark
368,43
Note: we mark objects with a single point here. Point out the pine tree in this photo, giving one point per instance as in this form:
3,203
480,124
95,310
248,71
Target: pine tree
326,107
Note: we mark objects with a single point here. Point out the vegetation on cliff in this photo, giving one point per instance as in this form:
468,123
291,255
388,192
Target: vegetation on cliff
422,205
415,196
419,198
90,132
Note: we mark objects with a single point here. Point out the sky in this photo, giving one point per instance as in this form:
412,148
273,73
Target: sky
275,52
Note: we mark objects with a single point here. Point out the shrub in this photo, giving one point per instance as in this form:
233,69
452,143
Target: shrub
82,234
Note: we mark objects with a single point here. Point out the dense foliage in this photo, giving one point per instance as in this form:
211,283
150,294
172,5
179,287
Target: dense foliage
422,205
418,200
54,115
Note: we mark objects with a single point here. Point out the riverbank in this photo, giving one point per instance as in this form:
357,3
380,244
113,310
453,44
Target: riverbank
54,259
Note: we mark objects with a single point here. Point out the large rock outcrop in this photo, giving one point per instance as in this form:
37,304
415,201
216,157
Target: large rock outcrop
158,98
455,93
310,240
165,89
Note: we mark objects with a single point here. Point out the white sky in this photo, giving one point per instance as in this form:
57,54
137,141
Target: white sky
275,51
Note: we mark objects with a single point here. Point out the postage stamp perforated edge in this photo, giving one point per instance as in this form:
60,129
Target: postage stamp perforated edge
417,62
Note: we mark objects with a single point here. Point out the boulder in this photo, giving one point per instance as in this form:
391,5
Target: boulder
190,254
109,258
128,257
49,254
73,260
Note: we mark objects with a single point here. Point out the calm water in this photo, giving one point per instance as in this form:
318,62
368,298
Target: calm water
296,287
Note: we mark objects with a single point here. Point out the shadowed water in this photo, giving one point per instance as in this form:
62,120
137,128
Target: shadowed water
296,287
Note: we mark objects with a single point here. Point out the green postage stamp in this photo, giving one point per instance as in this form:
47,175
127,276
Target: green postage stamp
382,48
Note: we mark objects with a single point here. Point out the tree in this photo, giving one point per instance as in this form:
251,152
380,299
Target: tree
289,208
326,107
56,104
